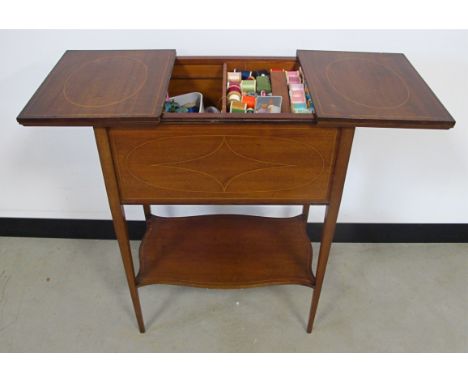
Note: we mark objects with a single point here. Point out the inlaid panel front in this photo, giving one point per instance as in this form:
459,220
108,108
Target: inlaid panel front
198,164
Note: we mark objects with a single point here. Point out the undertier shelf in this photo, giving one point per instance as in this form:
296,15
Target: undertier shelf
225,251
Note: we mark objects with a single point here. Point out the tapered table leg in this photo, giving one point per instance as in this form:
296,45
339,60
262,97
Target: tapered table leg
331,215
118,218
147,211
305,212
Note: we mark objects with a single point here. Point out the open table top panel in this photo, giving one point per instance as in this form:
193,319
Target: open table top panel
130,86
95,87
371,89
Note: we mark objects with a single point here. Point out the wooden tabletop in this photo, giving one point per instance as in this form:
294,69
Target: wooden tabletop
95,87
371,89
89,88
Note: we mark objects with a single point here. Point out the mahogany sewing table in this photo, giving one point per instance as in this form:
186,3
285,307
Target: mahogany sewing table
150,157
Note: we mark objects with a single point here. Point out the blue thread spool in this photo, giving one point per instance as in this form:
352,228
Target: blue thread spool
246,74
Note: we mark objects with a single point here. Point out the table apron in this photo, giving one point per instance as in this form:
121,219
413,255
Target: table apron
224,164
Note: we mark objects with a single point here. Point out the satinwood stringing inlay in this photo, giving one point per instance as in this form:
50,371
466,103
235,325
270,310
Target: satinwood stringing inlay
225,163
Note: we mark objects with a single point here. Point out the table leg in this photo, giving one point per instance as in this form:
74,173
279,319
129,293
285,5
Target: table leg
147,211
331,215
305,212
118,218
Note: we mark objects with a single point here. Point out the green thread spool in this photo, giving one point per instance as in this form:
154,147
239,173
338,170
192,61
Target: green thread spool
263,84
248,86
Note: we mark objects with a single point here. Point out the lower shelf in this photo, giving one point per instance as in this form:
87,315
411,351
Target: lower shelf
225,251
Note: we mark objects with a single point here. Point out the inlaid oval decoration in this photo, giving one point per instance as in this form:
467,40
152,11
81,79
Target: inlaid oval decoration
379,86
105,87
225,163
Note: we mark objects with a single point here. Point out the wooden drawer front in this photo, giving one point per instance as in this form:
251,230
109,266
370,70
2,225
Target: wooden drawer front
197,164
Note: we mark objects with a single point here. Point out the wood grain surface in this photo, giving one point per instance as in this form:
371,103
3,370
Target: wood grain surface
371,89
95,87
224,164
226,251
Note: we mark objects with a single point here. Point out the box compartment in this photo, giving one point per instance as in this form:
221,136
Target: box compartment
209,76
194,76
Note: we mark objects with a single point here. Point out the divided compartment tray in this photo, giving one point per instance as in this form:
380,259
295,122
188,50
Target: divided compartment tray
209,77
225,251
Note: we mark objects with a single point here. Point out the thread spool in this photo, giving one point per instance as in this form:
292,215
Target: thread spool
248,86
263,84
249,101
237,107
246,74
234,87
293,77
234,96
234,76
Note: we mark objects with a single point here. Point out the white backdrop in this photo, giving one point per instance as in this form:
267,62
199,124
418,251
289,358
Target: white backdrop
395,176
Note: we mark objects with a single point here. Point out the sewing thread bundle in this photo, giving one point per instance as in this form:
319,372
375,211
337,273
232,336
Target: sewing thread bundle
296,91
257,91
301,101
252,85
